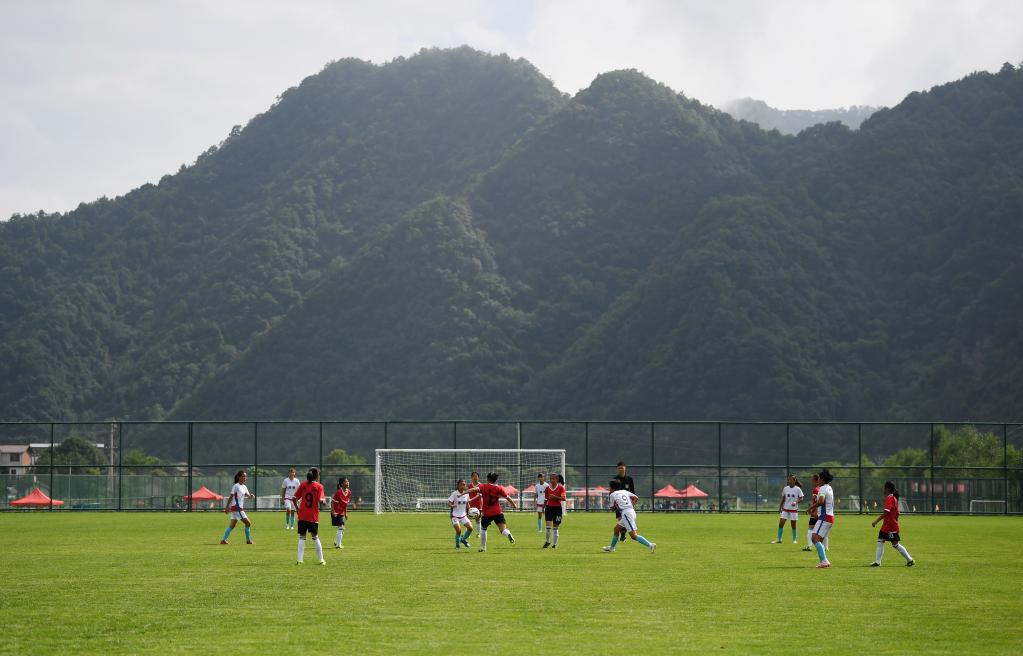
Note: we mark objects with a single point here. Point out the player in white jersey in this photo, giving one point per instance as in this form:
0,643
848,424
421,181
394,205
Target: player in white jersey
288,488
459,504
236,506
622,501
540,488
788,507
825,504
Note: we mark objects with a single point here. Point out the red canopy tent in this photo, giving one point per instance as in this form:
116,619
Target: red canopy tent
693,492
510,490
202,494
598,491
670,491
36,499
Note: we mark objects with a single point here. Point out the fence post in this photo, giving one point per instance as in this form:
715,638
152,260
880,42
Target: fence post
255,463
385,434
320,460
190,465
454,435
930,506
787,471
586,465
1005,469
51,466
859,464
653,467
720,479
120,467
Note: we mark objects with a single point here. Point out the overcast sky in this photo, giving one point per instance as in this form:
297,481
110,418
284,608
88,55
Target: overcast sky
99,97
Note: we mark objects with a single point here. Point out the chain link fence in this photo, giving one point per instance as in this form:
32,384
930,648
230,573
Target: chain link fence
677,466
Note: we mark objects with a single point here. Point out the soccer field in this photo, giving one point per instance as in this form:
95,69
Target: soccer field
128,583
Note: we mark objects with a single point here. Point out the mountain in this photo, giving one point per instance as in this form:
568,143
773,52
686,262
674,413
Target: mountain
448,235
794,121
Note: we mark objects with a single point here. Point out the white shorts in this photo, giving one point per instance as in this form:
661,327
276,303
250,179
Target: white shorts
463,520
822,528
238,515
790,514
540,508
628,520
289,504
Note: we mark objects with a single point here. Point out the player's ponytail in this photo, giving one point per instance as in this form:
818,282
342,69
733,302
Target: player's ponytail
492,478
312,474
889,487
561,479
238,476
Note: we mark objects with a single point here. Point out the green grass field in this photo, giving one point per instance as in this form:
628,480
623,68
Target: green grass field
128,583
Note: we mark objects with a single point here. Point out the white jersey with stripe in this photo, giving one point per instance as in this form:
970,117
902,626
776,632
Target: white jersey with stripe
290,486
792,495
621,500
826,499
238,494
461,500
541,493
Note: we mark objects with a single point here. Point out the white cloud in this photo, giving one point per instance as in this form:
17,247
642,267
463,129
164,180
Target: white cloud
99,97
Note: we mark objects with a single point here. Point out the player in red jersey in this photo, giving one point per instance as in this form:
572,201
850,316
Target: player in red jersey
308,497
890,528
815,481
339,510
553,510
492,494
476,500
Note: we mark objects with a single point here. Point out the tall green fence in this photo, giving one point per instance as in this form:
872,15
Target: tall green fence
731,466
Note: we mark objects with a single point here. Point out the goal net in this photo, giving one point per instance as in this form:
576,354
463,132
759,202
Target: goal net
423,479
987,506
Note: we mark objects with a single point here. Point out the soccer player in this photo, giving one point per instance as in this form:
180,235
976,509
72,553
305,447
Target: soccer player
540,489
629,486
476,499
492,494
788,507
621,501
236,506
815,481
339,510
309,496
890,528
825,503
553,513
288,488
459,504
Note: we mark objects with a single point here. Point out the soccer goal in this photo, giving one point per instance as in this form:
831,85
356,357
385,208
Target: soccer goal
422,479
987,506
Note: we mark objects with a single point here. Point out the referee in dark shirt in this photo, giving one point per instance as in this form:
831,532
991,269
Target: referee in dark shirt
627,484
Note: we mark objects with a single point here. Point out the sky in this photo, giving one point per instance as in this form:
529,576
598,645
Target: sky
98,97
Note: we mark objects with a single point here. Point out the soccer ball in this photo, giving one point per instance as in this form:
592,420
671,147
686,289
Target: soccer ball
474,512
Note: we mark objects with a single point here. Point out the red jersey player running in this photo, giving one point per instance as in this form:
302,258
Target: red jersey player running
308,497
476,501
492,494
339,510
890,528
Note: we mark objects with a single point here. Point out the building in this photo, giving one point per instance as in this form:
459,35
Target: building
14,459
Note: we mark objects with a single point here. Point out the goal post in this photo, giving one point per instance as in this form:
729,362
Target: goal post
987,506
422,479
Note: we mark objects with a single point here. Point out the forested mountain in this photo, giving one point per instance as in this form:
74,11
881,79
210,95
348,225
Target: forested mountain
449,236
794,121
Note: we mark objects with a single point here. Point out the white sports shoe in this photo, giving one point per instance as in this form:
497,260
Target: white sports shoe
323,562
608,549
653,545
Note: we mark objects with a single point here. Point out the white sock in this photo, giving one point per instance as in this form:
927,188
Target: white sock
483,539
340,536
902,550
879,554
548,535
555,537
505,532
809,537
826,547
319,548
301,549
